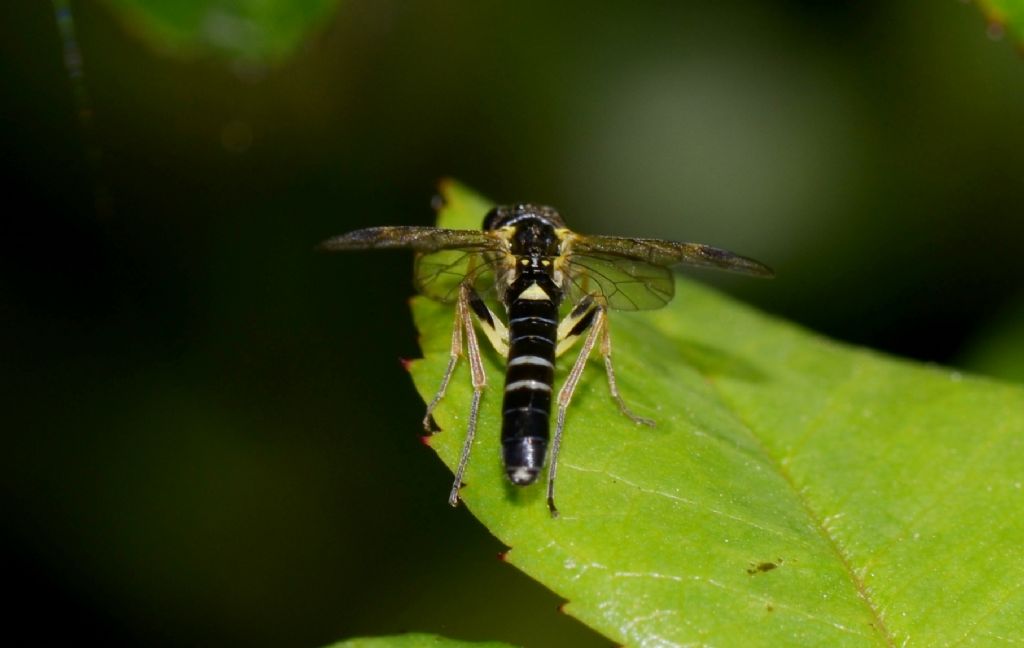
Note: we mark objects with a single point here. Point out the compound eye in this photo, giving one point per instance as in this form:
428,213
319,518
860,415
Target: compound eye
492,218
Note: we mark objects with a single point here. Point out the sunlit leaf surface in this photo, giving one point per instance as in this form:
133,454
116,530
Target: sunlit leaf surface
259,31
795,491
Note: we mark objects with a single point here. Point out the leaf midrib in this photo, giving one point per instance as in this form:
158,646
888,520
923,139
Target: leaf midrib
816,519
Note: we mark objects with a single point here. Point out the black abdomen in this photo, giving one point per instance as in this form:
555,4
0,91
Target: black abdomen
526,419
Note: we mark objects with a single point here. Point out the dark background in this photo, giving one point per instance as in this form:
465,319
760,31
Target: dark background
208,438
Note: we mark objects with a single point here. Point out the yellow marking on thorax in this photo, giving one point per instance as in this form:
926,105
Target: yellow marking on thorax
534,292
565,236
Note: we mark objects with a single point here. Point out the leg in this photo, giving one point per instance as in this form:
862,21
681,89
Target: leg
583,316
453,359
588,313
493,329
491,325
479,378
565,396
606,351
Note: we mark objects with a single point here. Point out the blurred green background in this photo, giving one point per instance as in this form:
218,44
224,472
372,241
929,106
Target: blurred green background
208,435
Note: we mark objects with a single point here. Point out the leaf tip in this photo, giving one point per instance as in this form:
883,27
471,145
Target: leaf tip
445,184
440,199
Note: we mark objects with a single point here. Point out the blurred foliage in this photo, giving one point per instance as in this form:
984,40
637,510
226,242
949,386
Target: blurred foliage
1004,14
208,436
247,31
794,491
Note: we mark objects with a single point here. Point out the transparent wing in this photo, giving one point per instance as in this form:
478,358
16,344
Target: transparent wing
634,274
438,275
669,253
445,258
421,239
626,283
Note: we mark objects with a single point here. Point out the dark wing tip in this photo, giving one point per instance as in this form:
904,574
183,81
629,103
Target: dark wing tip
327,245
360,239
333,244
733,262
753,268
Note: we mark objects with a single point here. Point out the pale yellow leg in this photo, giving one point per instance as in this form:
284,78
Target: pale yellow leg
453,359
598,326
606,351
479,379
565,396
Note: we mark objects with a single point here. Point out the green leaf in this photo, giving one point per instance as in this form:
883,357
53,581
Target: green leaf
415,641
795,491
257,31
1004,15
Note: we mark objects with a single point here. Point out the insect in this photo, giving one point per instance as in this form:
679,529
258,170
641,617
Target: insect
526,259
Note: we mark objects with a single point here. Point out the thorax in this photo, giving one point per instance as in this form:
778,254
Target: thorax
533,280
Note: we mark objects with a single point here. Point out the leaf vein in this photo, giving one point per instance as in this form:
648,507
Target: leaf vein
820,524
683,500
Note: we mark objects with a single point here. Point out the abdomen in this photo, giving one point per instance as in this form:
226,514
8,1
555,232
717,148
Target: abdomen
526,411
